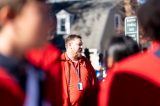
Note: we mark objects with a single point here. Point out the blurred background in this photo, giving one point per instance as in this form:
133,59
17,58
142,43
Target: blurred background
96,21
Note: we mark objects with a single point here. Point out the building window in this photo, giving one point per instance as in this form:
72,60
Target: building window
117,21
63,22
63,25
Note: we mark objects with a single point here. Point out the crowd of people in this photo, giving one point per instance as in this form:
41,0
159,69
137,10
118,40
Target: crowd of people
33,72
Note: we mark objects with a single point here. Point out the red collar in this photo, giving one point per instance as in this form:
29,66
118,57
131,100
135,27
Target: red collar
64,57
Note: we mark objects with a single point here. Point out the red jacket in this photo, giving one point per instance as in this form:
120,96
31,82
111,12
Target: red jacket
13,82
134,81
72,96
48,59
11,93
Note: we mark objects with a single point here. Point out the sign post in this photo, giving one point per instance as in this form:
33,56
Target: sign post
131,27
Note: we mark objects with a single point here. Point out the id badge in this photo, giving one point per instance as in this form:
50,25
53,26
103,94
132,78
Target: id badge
80,86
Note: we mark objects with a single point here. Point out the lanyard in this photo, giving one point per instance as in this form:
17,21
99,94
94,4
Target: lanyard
77,71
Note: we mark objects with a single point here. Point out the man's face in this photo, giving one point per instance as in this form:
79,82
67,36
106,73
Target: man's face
32,25
76,47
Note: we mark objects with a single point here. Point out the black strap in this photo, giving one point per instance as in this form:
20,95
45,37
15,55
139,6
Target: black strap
77,71
69,74
68,80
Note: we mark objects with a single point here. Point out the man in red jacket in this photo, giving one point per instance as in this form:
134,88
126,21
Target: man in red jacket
48,59
23,25
136,80
78,74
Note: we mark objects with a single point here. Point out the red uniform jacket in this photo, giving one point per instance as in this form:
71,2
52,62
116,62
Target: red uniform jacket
11,93
48,59
71,94
13,83
134,81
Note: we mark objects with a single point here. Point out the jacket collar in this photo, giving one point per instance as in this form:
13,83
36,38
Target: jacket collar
64,57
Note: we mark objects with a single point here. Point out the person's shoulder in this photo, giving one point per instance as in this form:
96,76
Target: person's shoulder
63,57
10,89
52,48
51,52
133,60
142,65
3,73
6,79
138,60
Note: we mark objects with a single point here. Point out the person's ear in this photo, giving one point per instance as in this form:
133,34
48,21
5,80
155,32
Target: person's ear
5,15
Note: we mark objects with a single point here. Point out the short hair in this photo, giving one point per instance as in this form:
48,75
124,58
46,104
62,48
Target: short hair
71,37
121,47
149,19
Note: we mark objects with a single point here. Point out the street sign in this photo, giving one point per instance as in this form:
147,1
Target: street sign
131,27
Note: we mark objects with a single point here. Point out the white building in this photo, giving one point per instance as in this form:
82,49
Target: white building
63,22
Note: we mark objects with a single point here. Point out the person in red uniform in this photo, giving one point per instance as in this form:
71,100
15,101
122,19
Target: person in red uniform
47,59
23,25
77,72
119,48
136,80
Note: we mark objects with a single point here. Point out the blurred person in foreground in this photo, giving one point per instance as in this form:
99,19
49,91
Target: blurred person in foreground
120,47
47,58
77,72
23,25
136,80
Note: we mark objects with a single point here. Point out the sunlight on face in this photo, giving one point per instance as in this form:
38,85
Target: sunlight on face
32,24
76,46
